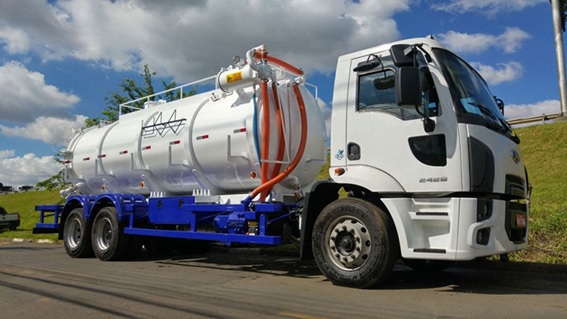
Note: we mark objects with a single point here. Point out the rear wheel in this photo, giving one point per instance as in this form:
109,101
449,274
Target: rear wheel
354,243
77,235
108,239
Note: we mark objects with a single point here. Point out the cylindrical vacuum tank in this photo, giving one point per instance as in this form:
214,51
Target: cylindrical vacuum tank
206,141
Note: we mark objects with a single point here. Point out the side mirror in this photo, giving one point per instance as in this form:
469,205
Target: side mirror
500,104
408,86
369,64
402,54
408,93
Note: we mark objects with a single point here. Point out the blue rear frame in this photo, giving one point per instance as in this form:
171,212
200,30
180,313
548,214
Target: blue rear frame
177,217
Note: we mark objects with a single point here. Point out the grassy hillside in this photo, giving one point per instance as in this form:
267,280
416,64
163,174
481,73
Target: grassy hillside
24,203
544,149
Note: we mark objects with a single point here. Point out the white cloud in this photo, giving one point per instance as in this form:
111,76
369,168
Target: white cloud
465,42
190,40
26,170
25,95
504,72
487,7
514,111
7,154
510,41
51,130
15,41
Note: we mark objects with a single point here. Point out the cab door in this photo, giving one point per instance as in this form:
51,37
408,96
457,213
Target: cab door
387,148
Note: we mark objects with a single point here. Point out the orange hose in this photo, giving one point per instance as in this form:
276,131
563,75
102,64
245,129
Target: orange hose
266,136
301,149
285,65
263,55
260,54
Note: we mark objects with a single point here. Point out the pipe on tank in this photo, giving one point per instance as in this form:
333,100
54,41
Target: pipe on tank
281,142
250,54
303,141
265,72
266,137
261,53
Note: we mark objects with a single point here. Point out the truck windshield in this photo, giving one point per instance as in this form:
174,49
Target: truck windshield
474,103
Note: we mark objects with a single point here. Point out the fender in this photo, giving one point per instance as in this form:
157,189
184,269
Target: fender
125,204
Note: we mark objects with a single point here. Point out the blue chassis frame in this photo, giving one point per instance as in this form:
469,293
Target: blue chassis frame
176,211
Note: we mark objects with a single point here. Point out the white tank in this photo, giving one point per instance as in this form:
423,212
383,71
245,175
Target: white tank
205,142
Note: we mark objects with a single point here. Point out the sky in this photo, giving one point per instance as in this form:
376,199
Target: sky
60,59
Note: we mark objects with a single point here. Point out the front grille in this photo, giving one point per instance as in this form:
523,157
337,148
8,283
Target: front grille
515,186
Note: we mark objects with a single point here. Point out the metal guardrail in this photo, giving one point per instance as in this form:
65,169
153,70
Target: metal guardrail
540,118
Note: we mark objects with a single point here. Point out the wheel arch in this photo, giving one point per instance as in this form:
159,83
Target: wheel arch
322,194
106,200
73,202
123,203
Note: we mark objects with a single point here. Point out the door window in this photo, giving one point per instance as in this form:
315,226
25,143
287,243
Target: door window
377,92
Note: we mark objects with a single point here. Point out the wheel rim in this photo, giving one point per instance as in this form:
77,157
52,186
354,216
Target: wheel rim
348,243
104,234
73,233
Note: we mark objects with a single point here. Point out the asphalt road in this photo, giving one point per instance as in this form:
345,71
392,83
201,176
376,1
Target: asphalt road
41,281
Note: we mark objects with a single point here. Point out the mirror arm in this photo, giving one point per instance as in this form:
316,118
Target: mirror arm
428,123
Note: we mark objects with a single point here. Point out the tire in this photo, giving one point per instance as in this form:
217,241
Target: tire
77,235
426,265
354,243
108,239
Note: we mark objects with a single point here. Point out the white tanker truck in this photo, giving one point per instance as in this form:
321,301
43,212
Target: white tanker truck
423,167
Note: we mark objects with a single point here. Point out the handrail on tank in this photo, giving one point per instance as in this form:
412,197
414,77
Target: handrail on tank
315,87
148,98
285,68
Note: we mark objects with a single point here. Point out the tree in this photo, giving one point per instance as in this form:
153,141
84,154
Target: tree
130,90
57,180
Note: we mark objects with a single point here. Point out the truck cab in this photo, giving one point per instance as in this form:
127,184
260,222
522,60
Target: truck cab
417,133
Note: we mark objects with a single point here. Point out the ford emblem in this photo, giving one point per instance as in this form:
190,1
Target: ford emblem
515,156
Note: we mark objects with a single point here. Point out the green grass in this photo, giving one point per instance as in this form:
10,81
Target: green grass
24,203
544,149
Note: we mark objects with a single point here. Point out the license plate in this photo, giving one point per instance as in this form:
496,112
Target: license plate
521,221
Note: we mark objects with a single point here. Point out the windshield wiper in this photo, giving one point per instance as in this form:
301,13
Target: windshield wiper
497,123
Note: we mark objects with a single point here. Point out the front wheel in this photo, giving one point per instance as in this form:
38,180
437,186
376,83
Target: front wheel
354,243
77,235
108,239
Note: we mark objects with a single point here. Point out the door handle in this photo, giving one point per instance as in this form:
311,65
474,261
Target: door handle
353,151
